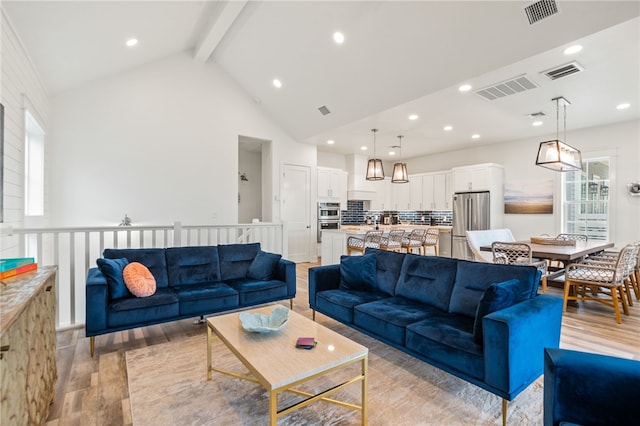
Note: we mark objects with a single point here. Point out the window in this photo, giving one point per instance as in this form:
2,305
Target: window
34,167
586,200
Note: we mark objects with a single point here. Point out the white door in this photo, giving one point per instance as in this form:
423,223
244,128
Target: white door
296,184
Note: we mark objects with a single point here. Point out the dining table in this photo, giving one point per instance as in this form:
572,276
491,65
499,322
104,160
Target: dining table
565,254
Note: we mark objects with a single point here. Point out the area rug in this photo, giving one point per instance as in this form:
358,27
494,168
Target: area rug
168,386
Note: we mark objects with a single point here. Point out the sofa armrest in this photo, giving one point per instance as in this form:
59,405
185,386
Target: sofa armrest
515,339
585,388
97,298
322,278
287,272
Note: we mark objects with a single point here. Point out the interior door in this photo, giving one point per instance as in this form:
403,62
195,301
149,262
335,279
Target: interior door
296,211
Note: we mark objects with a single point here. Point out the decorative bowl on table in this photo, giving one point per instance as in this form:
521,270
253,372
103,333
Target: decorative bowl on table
263,323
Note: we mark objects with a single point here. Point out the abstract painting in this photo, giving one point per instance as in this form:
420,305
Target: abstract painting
529,197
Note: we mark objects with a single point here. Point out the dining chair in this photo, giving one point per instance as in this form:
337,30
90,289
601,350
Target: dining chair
414,240
393,241
630,272
477,239
509,253
591,280
431,240
572,237
371,240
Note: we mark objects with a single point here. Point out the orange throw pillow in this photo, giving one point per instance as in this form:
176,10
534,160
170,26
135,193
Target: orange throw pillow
139,280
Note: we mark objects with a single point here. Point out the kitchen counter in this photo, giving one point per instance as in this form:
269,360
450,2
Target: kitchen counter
334,241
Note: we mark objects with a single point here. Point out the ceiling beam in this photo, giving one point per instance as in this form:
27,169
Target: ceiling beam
230,11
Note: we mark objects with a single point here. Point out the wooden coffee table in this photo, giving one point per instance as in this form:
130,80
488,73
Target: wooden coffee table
275,363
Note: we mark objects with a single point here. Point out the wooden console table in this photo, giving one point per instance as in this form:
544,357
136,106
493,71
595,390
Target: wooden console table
27,346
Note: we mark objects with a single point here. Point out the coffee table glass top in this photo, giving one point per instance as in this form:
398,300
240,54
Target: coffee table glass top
273,358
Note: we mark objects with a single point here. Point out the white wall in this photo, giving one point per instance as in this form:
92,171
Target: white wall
250,191
20,87
160,143
621,141
328,159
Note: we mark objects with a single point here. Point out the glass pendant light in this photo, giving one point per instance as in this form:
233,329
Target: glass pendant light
400,174
374,166
555,154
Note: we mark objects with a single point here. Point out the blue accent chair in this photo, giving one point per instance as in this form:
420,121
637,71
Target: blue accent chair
588,389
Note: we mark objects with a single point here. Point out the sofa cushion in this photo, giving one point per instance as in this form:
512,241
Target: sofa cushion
358,272
252,292
204,298
235,259
139,311
447,340
154,259
263,265
497,296
427,279
473,278
192,265
112,271
139,280
388,317
338,304
388,267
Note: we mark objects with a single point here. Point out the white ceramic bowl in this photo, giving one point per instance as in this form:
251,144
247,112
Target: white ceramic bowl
262,323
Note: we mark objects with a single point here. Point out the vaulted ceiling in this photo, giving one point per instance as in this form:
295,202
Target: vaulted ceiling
398,58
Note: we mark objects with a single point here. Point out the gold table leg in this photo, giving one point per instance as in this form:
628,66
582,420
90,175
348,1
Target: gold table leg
208,352
364,389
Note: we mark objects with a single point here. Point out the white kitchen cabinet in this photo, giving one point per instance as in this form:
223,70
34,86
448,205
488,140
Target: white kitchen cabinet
334,245
443,191
415,192
479,177
400,196
381,199
332,186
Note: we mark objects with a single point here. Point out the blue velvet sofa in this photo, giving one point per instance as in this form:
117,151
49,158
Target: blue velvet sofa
588,389
481,322
190,282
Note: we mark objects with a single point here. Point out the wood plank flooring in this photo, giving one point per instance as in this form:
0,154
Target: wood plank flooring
94,391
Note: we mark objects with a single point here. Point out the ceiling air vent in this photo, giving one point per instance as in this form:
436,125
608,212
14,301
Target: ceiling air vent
506,88
540,10
324,110
537,114
563,70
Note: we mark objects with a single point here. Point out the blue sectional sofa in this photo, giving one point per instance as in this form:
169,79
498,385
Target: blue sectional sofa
481,322
588,389
190,282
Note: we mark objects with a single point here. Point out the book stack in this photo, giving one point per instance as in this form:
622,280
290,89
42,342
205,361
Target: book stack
11,267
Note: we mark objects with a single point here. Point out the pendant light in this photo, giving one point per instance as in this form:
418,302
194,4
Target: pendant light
555,154
400,174
374,166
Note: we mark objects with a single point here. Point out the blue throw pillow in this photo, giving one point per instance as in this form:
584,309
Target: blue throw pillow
112,271
358,272
263,266
496,297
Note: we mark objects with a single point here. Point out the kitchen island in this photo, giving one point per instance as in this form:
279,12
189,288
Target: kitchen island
334,241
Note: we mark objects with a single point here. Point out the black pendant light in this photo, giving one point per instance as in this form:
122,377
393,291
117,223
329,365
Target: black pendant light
555,154
374,166
400,174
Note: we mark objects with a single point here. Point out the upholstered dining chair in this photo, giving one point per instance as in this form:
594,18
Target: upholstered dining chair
509,253
371,240
592,279
431,240
393,241
414,240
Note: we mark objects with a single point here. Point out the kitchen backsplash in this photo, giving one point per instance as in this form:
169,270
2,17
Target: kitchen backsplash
356,215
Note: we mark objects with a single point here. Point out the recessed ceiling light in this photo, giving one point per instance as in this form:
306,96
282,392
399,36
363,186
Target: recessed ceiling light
572,49
392,153
447,128
331,141
338,37
277,83
537,123
363,148
132,42
464,88
413,117
623,106
475,136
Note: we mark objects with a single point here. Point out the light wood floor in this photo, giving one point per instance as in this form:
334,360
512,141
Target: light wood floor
94,391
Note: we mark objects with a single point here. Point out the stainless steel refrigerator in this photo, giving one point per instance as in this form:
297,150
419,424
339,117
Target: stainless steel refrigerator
470,213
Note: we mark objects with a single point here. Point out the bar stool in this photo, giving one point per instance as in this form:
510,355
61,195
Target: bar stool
392,242
371,240
431,240
414,240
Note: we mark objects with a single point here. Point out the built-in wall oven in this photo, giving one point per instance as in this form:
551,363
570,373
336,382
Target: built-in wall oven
328,217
